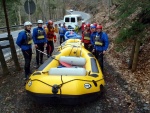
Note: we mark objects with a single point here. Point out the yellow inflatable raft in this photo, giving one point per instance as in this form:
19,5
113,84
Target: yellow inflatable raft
71,76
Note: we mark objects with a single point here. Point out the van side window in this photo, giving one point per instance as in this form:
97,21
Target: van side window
72,19
66,19
79,19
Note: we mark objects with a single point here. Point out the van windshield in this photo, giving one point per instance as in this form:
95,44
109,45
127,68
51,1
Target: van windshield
66,19
72,19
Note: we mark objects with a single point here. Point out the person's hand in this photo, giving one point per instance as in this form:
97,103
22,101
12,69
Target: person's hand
104,52
35,46
45,45
90,45
93,50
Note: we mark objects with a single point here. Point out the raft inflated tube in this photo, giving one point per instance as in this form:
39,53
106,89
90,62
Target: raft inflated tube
80,61
68,71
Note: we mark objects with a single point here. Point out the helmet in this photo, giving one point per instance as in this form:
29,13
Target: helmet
87,25
61,25
83,21
99,27
50,22
95,24
27,23
40,22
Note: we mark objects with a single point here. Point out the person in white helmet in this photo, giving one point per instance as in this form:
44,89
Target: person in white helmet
40,41
24,41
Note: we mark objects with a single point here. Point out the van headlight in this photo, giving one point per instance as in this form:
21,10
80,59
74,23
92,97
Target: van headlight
29,83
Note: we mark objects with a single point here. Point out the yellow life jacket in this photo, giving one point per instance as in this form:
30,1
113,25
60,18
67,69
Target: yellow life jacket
40,34
98,41
29,38
86,35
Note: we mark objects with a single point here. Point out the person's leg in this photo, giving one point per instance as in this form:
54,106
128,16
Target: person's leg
37,55
100,60
48,48
52,47
30,58
41,54
61,38
27,56
86,46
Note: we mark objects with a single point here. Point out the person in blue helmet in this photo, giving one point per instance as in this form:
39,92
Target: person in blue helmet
40,41
101,44
24,41
92,37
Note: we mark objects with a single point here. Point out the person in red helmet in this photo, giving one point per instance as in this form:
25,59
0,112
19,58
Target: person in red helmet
86,37
101,44
51,37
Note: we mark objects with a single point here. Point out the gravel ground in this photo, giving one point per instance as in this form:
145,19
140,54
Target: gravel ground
116,99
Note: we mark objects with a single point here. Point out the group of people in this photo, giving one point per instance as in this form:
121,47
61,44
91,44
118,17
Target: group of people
41,38
95,40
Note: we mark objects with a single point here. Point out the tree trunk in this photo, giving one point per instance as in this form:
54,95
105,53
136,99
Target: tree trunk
136,53
19,15
3,63
11,41
131,56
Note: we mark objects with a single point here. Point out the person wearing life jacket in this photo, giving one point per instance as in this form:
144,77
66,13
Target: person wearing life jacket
86,37
93,35
24,41
51,37
100,45
40,41
62,32
82,26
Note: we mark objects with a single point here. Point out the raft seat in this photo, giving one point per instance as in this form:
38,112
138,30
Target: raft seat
72,60
74,71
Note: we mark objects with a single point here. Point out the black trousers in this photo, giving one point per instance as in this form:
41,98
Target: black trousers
86,46
50,48
99,55
39,56
62,39
27,57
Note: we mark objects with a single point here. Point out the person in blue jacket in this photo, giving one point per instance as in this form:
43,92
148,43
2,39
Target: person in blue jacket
24,41
101,43
40,41
62,32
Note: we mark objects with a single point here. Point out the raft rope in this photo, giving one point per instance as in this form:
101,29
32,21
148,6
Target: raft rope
60,85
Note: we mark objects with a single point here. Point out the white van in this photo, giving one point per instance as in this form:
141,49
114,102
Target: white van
73,20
